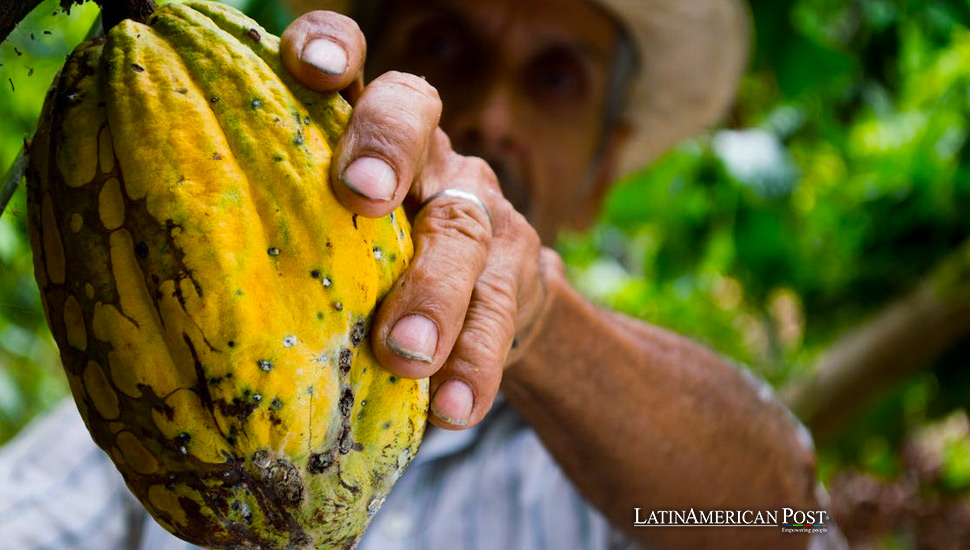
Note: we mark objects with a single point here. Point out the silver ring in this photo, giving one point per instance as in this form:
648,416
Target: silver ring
460,194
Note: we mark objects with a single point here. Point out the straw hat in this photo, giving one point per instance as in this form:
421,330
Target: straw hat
692,55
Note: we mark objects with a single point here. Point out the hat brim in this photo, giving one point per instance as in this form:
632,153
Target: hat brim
692,56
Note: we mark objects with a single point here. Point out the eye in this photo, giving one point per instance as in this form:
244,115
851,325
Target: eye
438,43
558,76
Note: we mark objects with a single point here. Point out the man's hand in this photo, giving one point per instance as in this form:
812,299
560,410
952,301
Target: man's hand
475,284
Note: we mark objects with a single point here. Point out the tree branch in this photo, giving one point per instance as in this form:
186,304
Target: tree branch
901,339
11,13
113,11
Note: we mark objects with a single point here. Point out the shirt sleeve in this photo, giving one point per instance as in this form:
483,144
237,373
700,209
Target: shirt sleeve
59,491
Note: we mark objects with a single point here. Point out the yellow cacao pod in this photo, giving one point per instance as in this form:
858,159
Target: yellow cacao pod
210,297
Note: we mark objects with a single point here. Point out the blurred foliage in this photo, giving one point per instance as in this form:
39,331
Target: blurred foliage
841,177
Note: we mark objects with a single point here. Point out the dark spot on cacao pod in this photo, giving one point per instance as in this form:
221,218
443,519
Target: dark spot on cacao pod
141,250
261,459
386,425
273,251
137,68
214,99
231,343
253,34
344,361
216,156
181,440
319,462
315,273
257,103
338,306
346,402
276,404
354,219
515,342
392,379
239,408
357,332
264,365
278,158
257,398
320,316
155,278
298,139
346,441
392,258
306,120
284,480
326,282
182,91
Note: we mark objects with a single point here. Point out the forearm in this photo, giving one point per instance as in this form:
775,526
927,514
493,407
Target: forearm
640,417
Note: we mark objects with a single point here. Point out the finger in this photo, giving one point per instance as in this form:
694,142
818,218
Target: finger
506,298
324,51
465,387
421,317
385,144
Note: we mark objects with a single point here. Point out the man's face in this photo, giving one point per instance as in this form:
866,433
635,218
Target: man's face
524,85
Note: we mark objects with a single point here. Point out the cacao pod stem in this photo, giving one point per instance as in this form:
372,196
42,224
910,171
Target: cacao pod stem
115,11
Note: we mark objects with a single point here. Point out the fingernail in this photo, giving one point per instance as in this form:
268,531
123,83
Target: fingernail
414,337
326,56
371,177
453,402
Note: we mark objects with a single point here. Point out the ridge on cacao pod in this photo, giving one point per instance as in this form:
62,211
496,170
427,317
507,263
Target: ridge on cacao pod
210,297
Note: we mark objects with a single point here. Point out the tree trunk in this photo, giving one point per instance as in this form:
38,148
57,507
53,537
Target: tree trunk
901,339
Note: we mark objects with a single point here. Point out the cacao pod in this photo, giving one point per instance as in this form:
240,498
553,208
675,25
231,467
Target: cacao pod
210,297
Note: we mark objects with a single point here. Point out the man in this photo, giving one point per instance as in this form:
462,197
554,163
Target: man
599,414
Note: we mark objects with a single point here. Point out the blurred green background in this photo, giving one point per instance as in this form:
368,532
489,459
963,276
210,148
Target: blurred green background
838,185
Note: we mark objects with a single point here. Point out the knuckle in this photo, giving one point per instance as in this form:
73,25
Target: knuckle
478,169
412,84
400,130
458,219
496,293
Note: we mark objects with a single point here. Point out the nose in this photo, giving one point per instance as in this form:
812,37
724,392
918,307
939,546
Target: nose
484,125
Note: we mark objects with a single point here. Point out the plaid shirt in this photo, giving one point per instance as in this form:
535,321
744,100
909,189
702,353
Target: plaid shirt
493,486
